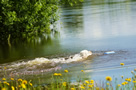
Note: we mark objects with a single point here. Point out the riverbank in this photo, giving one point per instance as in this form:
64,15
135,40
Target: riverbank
120,78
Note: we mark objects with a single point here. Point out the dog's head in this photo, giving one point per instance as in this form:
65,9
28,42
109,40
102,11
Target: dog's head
85,53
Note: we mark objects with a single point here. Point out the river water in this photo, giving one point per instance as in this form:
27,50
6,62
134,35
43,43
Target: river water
95,25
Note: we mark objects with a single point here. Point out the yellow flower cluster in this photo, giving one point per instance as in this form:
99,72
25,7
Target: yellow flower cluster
57,74
24,83
87,81
124,83
6,83
91,81
90,84
82,87
128,79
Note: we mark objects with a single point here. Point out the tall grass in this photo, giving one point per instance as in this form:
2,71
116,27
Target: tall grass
58,82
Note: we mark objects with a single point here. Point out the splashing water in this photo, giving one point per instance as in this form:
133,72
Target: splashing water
42,64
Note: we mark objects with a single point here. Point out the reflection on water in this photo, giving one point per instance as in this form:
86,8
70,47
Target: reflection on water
96,25
102,26
38,47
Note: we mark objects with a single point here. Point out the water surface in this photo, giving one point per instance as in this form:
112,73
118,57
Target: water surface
94,25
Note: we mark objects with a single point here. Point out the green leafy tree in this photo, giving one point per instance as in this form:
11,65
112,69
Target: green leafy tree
28,18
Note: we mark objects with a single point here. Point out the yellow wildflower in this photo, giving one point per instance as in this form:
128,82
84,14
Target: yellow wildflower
66,71
108,78
24,82
122,76
126,79
92,81
8,84
59,74
4,82
90,86
30,84
87,82
55,74
134,81
97,88
20,80
132,72
135,69
126,82
5,67
108,84
12,79
82,70
3,79
122,64
19,85
64,83
12,87
82,87
3,89
72,88
23,85
129,79
84,84
123,83
119,85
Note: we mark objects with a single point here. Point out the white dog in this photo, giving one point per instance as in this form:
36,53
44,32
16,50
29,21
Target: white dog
85,53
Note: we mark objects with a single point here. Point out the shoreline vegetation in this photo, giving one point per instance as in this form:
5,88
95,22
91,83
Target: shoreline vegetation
39,16
61,81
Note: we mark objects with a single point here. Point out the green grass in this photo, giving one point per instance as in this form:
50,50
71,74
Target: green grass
61,81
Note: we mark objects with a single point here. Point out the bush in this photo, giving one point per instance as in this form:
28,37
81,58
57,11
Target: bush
28,18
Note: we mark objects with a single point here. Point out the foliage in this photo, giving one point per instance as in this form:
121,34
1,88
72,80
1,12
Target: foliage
28,18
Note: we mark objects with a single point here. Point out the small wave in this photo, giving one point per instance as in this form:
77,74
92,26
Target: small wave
82,55
45,63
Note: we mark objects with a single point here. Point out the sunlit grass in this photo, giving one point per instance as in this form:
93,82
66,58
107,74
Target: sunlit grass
60,81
